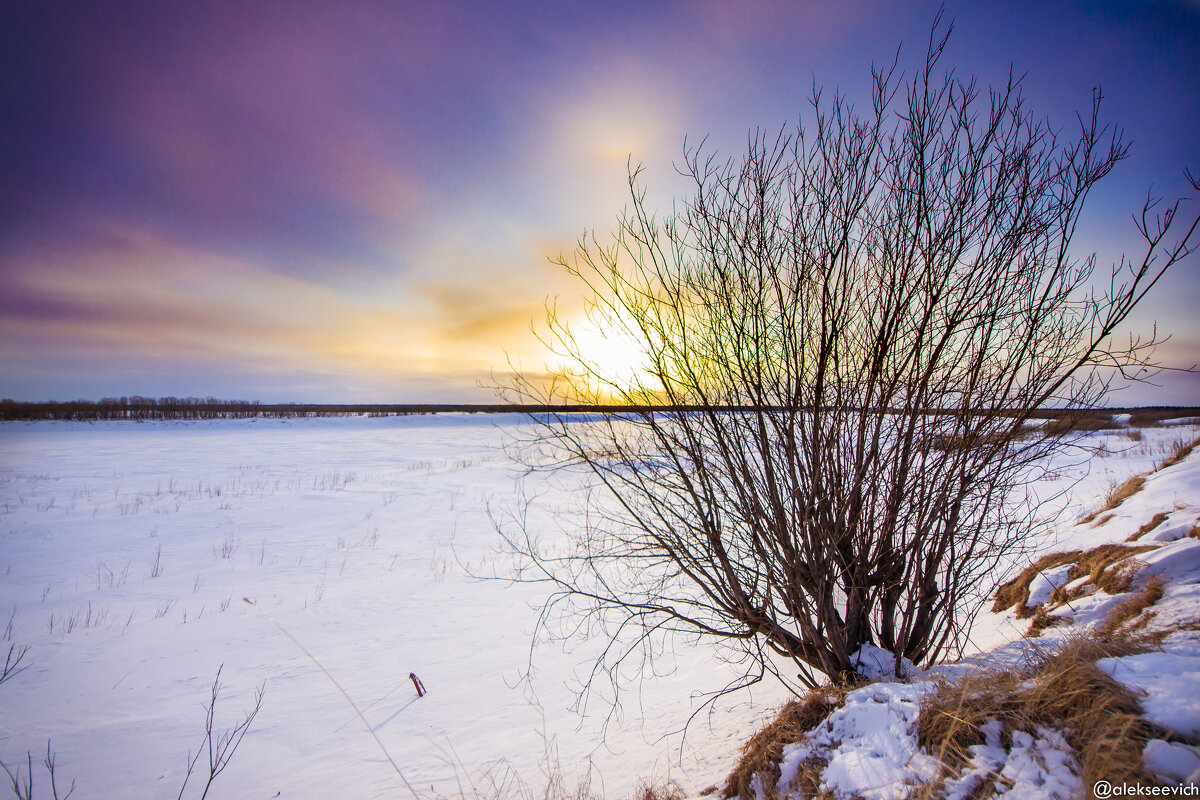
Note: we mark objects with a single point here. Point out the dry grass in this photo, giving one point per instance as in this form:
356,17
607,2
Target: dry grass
1116,495
1108,567
1080,421
1182,452
762,753
956,442
664,790
1042,620
1155,521
1132,608
1194,532
1100,718
1015,593
1122,492
1150,417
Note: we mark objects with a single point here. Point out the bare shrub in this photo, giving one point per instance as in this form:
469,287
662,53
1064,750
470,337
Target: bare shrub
22,785
12,662
810,324
219,747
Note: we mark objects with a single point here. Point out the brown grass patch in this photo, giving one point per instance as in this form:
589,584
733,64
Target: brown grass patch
1149,417
1042,620
1132,607
1123,492
948,443
1179,455
1015,593
1100,718
666,790
1103,568
1109,567
762,753
1080,421
1194,532
1116,495
1155,521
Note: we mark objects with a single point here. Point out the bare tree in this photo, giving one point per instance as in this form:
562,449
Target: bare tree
846,335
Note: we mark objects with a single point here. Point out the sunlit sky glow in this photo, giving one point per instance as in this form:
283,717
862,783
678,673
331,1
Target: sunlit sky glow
356,202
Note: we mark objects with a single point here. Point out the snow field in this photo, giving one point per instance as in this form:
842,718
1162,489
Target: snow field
126,551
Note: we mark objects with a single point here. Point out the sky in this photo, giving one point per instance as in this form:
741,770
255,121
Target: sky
358,202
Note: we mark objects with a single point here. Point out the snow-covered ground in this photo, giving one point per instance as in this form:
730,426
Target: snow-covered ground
126,550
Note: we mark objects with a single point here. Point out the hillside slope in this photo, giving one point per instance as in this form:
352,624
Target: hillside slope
1099,689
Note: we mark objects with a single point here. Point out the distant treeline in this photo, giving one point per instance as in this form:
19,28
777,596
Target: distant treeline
151,408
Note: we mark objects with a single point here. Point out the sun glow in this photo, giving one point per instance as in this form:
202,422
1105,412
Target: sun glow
611,360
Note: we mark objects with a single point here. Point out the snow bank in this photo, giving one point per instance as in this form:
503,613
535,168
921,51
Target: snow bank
1169,682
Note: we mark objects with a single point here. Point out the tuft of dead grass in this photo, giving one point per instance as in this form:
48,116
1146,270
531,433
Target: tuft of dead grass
1116,495
1042,619
1108,567
1155,521
1015,593
762,753
1182,452
663,790
1100,717
1123,492
1132,608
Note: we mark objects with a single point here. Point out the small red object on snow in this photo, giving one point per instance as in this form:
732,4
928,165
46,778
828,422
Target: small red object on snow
417,683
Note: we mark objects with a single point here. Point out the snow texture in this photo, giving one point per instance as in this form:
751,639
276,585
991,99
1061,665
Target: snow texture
1041,767
875,663
1173,762
1168,682
870,744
